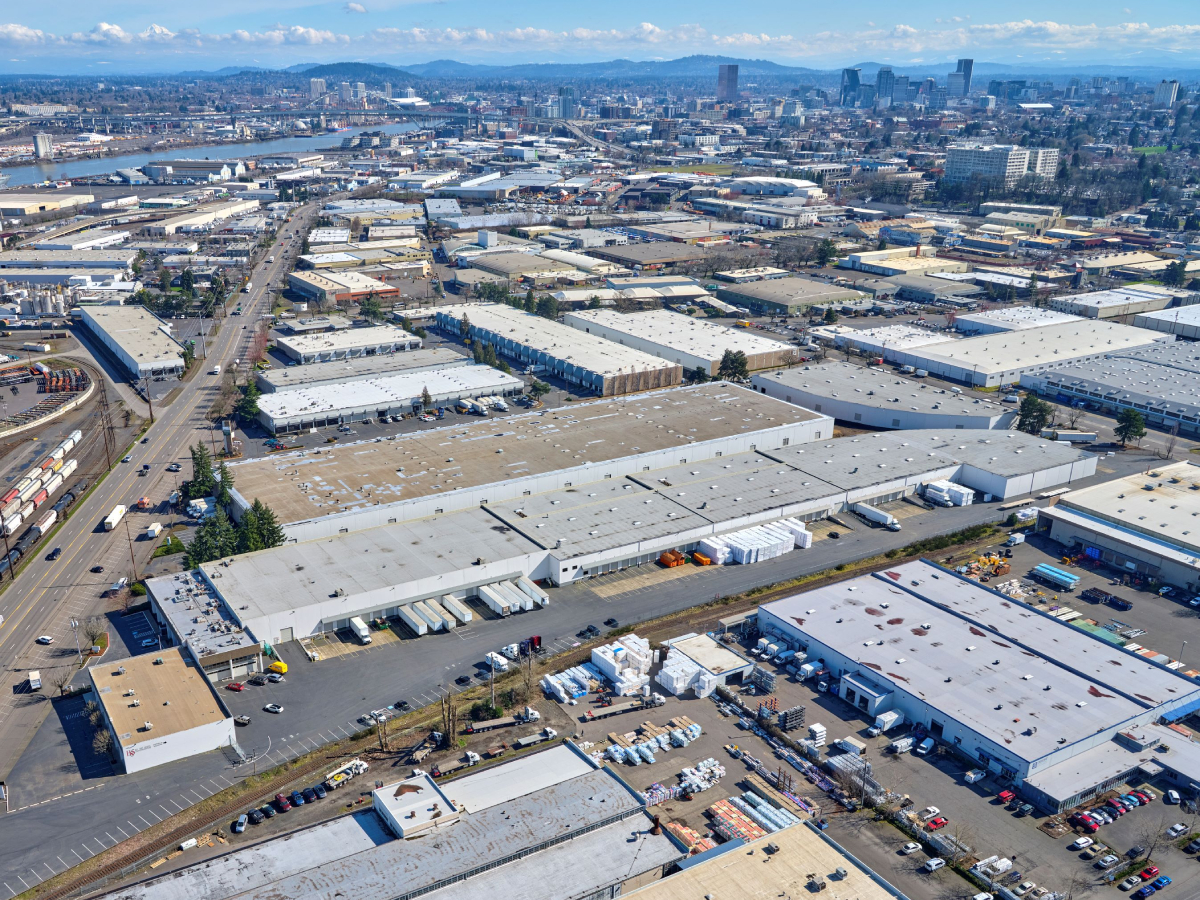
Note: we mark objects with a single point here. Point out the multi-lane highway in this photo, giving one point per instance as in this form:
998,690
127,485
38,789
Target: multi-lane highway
48,595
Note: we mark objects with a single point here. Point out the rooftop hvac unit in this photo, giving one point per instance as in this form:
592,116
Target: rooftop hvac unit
147,726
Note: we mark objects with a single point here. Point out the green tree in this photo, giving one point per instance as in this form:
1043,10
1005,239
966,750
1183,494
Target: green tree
826,251
830,317
539,389
370,308
224,486
249,537
164,278
187,281
269,529
1033,415
189,356
699,375
593,302
214,539
547,307
882,245
1175,274
202,482
733,365
530,305
247,405
1131,426
426,399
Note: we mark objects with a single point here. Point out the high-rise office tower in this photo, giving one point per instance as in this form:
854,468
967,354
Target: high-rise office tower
1165,93
966,67
316,87
360,90
850,82
43,146
900,89
727,84
885,83
387,89
344,93
955,85
566,102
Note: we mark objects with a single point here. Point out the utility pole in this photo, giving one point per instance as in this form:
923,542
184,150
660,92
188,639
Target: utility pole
149,400
132,559
75,628
104,423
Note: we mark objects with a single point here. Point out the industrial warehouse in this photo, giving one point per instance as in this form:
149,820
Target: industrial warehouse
518,512
693,343
1161,381
928,643
991,360
786,296
380,397
511,830
427,359
1125,301
140,341
577,357
875,398
326,346
1143,524
1012,318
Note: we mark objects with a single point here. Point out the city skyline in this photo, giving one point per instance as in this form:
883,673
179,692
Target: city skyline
72,38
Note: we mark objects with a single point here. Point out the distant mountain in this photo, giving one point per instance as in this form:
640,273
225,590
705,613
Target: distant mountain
356,71
685,67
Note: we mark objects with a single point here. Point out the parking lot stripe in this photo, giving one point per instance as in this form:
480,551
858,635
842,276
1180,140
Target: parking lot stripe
24,882
77,856
60,859
111,838
11,892
51,868
167,811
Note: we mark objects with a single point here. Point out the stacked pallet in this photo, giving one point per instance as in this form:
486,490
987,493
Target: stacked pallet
730,822
690,838
679,722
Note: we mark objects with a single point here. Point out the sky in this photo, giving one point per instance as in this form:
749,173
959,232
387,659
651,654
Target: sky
76,36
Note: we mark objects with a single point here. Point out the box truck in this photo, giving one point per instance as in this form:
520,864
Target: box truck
359,627
114,517
35,680
876,516
885,722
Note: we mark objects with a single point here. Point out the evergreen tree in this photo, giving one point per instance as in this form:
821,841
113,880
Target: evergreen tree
224,486
249,535
187,281
547,307
733,365
224,535
247,405
269,529
1033,415
1131,426
699,375
830,317
477,352
489,355
530,304
202,482
426,399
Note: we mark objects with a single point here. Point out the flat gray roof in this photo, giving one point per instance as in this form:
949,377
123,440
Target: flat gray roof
358,562
1163,378
982,650
360,367
675,332
795,291
198,616
138,332
880,389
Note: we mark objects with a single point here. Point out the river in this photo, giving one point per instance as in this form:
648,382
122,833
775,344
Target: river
20,176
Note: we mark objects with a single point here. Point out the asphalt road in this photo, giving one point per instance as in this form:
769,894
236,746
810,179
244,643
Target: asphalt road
48,595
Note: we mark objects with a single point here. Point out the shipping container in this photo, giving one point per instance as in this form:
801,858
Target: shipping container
9,496
413,621
12,523
55,482
69,468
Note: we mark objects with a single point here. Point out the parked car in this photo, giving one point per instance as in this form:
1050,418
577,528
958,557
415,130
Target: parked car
273,708
1024,888
240,825
256,817
1006,796
932,865
612,623
938,822
1131,882
274,678
96,569
929,812
1149,872
910,848
1095,850
282,803
174,467
1161,882
309,795
1193,846
242,720
235,686
268,810
1025,810
1107,862
1144,892
1176,830
1171,797
462,680
1080,843
319,790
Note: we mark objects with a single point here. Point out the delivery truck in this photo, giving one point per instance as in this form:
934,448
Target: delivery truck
885,722
876,516
114,517
360,629
35,680
546,734
529,715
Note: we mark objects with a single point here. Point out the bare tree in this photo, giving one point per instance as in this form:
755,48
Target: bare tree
1074,414
449,718
1171,442
62,677
94,628
102,742
383,733
529,675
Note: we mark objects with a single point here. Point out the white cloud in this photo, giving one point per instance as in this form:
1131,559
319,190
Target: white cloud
645,39
355,8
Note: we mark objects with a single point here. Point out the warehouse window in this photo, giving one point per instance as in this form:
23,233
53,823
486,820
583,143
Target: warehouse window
858,417
895,423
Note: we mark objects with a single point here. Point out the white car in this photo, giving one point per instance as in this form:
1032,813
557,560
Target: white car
1176,830
932,865
1171,796
910,848
929,812
367,719
1024,888
1080,843
45,639
273,708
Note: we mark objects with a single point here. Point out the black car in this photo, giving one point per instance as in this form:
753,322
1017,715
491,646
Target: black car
1192,847
310,796
612,623
55,554
97,569
319,790
255,817
269,811
834,535
462,679
402,704
592,630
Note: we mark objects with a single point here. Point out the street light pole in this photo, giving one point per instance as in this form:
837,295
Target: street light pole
75,628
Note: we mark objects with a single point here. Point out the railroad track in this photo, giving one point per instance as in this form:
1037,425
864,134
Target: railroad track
97,878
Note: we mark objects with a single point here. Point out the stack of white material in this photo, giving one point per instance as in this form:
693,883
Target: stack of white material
678,672
715,549
816,733
802,535
758,544
706,684
625,662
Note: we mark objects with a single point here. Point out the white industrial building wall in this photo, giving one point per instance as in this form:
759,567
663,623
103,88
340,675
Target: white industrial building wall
310,619
469,498
875,417
645,344
152,751
1004,486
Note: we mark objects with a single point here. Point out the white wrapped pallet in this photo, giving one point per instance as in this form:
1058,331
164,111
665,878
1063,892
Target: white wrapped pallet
413,621
540,597
434,622
457,608
716,550
804,540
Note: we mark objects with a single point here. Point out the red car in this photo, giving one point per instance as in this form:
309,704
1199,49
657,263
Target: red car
936,823
282,803
1149,872
236,686
1006,796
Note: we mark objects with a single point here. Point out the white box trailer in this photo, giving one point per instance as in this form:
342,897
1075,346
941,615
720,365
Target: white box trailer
517,599
153,530
457,608
449,623
413,621
114,517
494,601
540,597
433,620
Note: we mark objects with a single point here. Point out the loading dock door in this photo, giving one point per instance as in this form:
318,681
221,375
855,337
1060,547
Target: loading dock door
285,635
